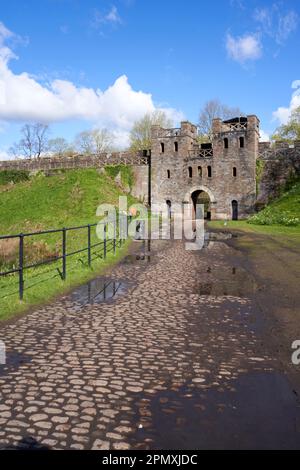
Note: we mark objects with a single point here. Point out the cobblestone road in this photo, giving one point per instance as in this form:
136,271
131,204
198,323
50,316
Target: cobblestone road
174,361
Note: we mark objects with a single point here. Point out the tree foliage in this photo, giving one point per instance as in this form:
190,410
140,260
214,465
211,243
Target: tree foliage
140,135
290,131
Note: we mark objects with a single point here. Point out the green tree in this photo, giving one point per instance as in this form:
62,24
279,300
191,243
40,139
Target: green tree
140,135
290,131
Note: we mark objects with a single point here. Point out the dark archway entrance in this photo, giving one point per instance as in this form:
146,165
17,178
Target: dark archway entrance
235,210
169,205
201,198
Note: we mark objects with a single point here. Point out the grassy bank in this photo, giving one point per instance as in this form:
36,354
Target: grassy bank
66,199
283,211
244,226
41,203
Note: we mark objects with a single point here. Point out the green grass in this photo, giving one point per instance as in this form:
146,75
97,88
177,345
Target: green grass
62,200
66,199
13,176
243,225
281,217
283,211
43,284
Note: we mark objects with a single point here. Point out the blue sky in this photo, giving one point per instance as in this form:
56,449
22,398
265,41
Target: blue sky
79,64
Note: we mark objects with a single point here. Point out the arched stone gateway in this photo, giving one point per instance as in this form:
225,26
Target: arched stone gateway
235,210
169,206
202,196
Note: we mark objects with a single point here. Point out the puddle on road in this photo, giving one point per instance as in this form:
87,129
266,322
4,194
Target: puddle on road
258,411
97,291
226,281
137,259
13,361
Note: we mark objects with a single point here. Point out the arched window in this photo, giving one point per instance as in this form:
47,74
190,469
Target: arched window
162,147
168,174
209,171
242,142
176,146
226,143
190,172
200,171
234,172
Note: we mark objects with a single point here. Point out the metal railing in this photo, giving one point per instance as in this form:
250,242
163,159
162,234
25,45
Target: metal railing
107,244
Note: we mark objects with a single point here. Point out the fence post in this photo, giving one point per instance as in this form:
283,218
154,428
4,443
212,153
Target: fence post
115,237
89,247
21,263
105,241
130,220
64,249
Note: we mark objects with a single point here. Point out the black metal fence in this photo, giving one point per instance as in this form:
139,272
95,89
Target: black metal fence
120,233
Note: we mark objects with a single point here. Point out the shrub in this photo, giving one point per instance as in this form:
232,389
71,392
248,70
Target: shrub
13,176
271,216
126,174
9,251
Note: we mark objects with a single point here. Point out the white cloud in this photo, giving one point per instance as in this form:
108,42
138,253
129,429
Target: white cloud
276,23
111,17
24,98
244,48
4,155
264,136
282,114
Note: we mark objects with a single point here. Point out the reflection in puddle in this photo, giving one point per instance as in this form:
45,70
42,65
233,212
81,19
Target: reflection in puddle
226,281
137,259
13,361
97,291
217,418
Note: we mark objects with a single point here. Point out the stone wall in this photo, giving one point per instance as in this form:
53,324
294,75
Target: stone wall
280,163
138,161
76,162
141,178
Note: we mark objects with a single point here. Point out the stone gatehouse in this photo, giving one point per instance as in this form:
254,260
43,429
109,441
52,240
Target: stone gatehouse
220,174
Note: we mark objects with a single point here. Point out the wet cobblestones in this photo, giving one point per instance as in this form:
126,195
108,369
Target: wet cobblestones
88,376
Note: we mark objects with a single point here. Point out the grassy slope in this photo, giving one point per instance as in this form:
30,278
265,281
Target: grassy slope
57,201
283,211
288,203
66,199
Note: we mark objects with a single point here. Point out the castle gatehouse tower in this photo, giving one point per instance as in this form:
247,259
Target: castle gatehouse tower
220,174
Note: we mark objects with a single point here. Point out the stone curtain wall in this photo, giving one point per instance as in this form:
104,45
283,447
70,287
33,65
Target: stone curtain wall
76,162
138,161
281,162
